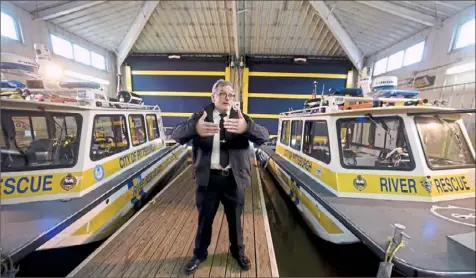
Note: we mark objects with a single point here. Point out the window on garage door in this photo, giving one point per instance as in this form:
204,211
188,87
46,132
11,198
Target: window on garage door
316,141
285,132
296,135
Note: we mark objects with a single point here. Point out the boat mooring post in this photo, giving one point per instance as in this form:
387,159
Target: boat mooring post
385,267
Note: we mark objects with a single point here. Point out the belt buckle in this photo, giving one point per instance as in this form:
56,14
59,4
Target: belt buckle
225,172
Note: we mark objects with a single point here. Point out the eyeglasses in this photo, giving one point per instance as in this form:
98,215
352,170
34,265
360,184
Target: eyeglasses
229,96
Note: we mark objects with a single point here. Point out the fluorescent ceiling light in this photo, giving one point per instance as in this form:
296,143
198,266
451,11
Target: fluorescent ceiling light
86,77
461,68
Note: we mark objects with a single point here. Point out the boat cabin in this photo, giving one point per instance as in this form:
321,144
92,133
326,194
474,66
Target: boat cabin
55,150
386,148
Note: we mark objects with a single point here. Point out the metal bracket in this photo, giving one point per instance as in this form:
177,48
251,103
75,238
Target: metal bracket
7,267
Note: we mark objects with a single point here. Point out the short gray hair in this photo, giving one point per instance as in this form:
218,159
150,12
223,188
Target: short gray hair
221,83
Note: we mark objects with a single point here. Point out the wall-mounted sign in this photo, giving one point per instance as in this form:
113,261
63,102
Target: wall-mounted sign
423,81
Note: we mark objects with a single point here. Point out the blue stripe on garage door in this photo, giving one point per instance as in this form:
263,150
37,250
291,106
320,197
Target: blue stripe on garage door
270,124
163,63
273,105
175,83
289,85
173,121
292,85
338,67
178,104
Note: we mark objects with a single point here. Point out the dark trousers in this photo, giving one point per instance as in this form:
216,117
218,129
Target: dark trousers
220,189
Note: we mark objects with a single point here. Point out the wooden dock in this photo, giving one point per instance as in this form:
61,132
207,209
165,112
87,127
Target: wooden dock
159,239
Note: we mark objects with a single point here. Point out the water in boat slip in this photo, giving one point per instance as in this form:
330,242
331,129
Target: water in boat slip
300,253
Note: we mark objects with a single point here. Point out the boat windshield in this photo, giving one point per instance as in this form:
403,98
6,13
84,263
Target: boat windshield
443,143
378,143
35,140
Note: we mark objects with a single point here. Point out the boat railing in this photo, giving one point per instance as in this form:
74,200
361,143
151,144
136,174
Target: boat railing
118,104
78,96
302,111
334,103
370,99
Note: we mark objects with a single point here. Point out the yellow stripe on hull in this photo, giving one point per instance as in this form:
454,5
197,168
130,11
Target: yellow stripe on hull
320,220
109,218
320,216
105,215
27,188
360,184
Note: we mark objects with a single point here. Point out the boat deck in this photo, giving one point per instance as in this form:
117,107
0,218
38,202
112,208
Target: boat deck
159,239
427,253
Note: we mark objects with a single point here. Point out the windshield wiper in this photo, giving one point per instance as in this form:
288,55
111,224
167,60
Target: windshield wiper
384,127
454,134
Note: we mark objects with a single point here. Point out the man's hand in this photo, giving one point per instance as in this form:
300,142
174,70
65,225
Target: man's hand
237,126
205,129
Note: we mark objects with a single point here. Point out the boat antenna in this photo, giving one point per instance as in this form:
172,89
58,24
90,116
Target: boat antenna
322,96
314,90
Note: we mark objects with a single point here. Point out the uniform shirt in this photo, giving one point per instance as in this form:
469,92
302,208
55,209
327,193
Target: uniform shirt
215,163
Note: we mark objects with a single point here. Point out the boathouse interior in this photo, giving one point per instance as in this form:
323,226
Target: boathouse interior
278,55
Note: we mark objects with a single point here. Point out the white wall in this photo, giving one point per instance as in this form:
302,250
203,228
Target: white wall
39,32
457,89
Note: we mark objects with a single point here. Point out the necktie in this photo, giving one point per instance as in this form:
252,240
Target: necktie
223,150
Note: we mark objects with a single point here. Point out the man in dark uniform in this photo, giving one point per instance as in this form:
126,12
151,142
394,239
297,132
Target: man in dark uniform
222,169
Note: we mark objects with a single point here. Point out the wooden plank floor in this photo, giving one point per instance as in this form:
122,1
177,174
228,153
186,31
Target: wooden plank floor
159,240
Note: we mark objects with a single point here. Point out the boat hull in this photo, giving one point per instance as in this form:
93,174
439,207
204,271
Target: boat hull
54,224
104,219
431,249
317,217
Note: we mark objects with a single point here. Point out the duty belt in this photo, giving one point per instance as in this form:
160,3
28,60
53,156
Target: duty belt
225,172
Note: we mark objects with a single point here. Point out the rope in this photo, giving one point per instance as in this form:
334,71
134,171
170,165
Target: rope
387,251
392,254
395,251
